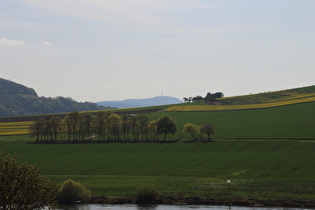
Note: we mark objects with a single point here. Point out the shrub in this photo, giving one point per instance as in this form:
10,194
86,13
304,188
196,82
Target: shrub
71,191
146,195
22,186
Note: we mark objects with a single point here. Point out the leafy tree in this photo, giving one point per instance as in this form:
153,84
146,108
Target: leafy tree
68,127
22,187
207,129
87,125
197,99
191,129
71,191
114,122
124,123
166,125
36,128
135,127
54,124
74,118
99,124
209,98
143,125
152,130
107,122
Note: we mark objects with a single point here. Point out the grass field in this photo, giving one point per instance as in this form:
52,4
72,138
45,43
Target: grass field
268,153
259,170
221,158
288,122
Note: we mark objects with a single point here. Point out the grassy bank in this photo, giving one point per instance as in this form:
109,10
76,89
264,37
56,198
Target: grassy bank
200,189
274,172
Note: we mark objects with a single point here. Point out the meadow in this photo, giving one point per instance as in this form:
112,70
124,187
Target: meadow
259,170
268,154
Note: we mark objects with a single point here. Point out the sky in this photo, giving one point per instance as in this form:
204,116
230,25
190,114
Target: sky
101,50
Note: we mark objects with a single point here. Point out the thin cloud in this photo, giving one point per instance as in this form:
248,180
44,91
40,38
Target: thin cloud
10,42
47,44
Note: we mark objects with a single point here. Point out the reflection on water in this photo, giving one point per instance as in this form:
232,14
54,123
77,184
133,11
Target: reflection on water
163,207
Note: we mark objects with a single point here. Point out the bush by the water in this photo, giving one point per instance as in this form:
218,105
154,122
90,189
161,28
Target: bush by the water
71,191
146,195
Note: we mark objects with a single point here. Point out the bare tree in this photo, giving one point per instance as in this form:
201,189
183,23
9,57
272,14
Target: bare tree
207,129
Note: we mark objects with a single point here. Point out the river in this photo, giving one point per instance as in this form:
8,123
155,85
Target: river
166,207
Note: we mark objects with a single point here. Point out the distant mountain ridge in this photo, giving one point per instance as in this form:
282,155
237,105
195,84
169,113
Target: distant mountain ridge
129,103
17,100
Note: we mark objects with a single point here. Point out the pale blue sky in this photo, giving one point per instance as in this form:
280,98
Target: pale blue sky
94,50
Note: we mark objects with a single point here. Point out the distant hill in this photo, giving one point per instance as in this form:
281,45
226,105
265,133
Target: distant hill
16,100
9,88
129,103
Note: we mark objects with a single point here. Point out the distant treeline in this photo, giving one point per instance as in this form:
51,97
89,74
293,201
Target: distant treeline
210,98
109,127
18,105
17,100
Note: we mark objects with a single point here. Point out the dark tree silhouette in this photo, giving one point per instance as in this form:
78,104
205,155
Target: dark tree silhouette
166,125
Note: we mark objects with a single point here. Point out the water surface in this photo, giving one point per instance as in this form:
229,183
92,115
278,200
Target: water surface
165,207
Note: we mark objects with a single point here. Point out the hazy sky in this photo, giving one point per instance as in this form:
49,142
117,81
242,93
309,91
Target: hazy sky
94,50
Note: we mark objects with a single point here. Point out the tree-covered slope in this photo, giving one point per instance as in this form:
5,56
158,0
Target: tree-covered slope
9,88
16,99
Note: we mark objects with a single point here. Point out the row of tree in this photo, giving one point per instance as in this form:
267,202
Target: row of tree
197,132
105,126
210,98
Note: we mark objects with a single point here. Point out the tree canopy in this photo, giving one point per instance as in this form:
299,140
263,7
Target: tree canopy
166,125
210,98
110,127
191,129
22,187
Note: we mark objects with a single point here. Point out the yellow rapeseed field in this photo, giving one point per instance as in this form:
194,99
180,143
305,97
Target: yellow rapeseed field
14,128
288,101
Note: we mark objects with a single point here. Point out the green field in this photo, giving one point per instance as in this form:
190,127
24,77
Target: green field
288,122
288,159
259,170
269,155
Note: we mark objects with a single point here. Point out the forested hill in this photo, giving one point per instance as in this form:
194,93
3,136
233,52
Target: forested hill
16,100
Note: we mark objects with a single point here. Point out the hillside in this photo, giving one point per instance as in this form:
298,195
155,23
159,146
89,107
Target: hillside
129,103
9,88
268,97
16,100
254,101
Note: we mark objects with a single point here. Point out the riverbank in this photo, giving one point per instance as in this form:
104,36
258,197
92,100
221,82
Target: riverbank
162,200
